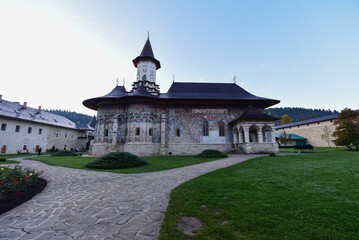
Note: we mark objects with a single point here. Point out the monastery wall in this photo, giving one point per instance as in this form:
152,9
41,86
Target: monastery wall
44,136
313,132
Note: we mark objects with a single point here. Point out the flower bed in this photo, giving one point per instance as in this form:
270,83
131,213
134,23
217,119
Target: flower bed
14,181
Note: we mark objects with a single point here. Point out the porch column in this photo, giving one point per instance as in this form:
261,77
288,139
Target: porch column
246,134
102,132
235,137
273,135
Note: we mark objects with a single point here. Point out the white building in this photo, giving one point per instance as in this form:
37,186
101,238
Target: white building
25,129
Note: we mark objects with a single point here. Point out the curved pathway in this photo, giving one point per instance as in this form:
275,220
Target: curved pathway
80,204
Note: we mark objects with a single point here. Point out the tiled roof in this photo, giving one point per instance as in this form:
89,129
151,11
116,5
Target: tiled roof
314,120
18,111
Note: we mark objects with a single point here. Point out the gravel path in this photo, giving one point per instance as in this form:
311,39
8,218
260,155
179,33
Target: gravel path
80,204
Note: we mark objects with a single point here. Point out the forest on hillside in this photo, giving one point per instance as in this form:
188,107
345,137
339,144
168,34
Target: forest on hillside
73,116
299,114
295,113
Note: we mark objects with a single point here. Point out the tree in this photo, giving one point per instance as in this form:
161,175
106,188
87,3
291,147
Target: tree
347,129
285,138
326,135
285,119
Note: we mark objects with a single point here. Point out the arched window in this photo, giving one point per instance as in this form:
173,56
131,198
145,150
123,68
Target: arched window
3,149
221,128
178,132
144,78
137,131
150,132
205,129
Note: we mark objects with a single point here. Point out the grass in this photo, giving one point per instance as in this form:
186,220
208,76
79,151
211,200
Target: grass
9,162
158,163
307,196
316,149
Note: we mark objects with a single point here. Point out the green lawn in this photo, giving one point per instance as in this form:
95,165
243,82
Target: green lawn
155,163
9,162
307,196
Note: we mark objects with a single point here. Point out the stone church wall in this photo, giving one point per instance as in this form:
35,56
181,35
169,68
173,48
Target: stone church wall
313,132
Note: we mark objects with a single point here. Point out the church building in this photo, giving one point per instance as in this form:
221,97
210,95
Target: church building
189,118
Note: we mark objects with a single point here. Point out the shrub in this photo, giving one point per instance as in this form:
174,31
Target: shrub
2,159
117,160
211,154
272,154
12,181
64,153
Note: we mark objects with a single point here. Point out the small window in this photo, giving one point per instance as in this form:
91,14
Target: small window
298,126
29,130
24,147
17,128
65,135
3,127
150,132
57,134
40,131
318,123
72,136
205,129
178,132
144,78
106,132
331,120
221,127
137,131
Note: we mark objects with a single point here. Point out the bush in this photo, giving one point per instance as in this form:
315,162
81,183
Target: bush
211,154
272,154
2,159
117,160
64,153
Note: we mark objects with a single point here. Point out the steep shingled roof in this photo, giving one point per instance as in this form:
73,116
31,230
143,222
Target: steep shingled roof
253,113
18,111
147,54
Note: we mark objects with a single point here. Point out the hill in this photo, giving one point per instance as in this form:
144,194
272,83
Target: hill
299,114
73,116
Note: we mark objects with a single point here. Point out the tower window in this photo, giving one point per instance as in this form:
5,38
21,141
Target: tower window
205,129
29,130
150,132
221,127
17,128
137,131
178,132
144,77
40,130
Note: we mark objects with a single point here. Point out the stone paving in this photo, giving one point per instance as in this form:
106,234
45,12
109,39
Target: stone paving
80,204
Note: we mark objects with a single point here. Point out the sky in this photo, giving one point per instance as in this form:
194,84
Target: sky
58,53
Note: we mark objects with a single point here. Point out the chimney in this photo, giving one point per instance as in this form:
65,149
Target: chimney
24,105
39,109
0,97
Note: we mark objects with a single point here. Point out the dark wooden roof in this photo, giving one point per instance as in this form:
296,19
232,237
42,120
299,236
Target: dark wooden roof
229,93
251,113
147,54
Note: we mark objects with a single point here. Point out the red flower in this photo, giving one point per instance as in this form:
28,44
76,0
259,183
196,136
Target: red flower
1,183
42,172
17,192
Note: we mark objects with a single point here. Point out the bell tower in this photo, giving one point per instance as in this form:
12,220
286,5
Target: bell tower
147,66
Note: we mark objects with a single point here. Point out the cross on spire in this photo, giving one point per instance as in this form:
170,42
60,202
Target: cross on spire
148,34
116,81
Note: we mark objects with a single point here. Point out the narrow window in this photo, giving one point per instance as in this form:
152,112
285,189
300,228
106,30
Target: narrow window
57,134
17,129
65,135
137,131
221,127
150,132
106,132
29,130
40,131
144,78
205,129
178,132
3,127
24,147
72,136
